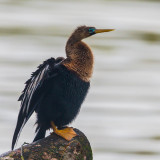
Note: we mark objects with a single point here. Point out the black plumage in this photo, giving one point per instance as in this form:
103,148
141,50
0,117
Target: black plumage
57,88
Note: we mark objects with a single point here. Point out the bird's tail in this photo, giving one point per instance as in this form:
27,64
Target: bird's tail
20,124
40,134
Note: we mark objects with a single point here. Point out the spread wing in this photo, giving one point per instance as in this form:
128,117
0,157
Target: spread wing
33,93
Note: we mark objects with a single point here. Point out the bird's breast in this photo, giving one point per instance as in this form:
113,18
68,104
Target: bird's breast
79,60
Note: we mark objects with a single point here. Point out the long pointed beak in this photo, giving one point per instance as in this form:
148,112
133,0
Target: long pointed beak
103,30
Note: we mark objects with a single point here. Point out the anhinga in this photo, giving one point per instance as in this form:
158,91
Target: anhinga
58,87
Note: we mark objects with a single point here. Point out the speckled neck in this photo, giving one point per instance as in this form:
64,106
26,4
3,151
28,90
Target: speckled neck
79,58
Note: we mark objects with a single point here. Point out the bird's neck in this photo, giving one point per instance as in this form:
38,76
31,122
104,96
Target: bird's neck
79,59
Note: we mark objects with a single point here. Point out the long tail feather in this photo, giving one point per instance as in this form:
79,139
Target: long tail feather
19,126
40,134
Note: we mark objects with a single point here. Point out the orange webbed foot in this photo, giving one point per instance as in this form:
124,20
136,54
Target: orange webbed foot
67,133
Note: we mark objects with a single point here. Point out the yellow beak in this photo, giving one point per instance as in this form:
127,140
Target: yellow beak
103,30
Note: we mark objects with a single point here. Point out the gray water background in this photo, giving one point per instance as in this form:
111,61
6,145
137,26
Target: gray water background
121,114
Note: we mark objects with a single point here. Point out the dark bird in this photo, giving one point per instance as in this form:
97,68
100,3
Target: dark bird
58,87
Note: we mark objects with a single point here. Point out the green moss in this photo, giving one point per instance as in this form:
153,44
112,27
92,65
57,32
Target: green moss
55,148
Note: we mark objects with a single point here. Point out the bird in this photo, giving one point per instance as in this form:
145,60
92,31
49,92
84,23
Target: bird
57,89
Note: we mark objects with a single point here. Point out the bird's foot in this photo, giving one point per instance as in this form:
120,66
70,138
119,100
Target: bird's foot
67,133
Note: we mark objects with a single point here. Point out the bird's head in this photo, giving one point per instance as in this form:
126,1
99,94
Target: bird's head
85,31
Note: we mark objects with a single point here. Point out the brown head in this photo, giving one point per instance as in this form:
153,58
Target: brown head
82,32
79,55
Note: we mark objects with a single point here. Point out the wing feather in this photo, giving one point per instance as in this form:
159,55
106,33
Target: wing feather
33,88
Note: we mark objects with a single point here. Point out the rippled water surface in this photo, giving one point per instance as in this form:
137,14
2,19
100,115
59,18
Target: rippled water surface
121,115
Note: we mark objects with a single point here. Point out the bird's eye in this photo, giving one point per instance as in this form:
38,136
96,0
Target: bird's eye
91,30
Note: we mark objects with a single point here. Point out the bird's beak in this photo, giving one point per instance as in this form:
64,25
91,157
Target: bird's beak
103,30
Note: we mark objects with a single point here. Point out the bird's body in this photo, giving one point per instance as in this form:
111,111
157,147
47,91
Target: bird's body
64,94
57,89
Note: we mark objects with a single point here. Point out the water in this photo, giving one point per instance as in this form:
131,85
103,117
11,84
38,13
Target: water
121,115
